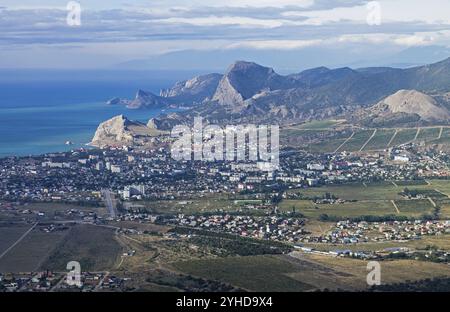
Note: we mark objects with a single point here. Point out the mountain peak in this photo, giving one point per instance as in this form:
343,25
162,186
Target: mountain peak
195,90
119,118
141,93
146,99
413,102
243,64
119,131
245,79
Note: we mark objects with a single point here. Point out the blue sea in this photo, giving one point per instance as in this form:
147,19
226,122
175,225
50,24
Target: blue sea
40,111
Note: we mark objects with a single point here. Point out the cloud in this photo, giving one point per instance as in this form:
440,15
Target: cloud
116,30
417,39
275,44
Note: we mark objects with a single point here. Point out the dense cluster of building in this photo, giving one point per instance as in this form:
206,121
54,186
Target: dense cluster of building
346,232
51,281
266,227
78,176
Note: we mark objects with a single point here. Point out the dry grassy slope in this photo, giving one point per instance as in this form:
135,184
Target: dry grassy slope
412,102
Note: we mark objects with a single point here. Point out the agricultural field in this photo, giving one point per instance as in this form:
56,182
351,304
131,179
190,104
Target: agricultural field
9,233
94,247
380,140
403,136
326,141
445,137
428,134
378,199
29,254
327,136
357,141
326,146
414,208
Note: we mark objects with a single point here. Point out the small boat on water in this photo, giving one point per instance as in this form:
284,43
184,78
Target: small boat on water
69,143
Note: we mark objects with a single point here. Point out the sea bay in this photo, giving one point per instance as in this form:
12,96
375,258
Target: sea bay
39,115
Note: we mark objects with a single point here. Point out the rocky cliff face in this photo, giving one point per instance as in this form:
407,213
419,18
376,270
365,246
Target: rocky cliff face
184,94
249,92
195,90
243,80
147,100
119,131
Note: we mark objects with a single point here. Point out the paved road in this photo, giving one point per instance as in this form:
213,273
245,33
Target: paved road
109,203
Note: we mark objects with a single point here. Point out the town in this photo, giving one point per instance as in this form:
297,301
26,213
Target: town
304,208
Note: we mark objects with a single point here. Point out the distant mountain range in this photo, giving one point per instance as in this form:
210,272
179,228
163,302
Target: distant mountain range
288,61
251,93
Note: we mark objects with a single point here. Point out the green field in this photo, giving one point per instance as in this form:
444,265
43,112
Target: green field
403,136
380,140
354,191
411,183
428,134
445,138
346,210
328,146
357,141
324,139
414,207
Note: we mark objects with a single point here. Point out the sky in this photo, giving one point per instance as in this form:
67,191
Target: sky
203,34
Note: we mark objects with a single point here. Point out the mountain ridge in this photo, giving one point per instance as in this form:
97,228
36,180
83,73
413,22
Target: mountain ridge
249,92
